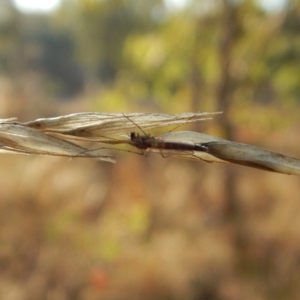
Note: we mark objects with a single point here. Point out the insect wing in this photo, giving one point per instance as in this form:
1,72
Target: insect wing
190,137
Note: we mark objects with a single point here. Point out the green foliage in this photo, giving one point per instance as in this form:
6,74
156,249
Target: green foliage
141,53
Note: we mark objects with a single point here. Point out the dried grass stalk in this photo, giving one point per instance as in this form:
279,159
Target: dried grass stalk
56,136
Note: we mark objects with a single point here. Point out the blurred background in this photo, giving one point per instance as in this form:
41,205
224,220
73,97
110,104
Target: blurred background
151,228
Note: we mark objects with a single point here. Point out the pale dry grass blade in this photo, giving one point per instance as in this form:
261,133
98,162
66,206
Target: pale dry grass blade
19,139
253,156
93,126
51,137
224,151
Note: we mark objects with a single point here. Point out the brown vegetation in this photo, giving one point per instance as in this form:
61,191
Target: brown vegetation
154,228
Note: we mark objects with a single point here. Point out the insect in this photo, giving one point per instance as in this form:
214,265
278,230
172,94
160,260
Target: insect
146,142
149,143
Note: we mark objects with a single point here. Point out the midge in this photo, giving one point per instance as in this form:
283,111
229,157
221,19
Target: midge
147,141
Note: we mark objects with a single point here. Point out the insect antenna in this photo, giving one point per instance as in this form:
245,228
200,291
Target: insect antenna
140,128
